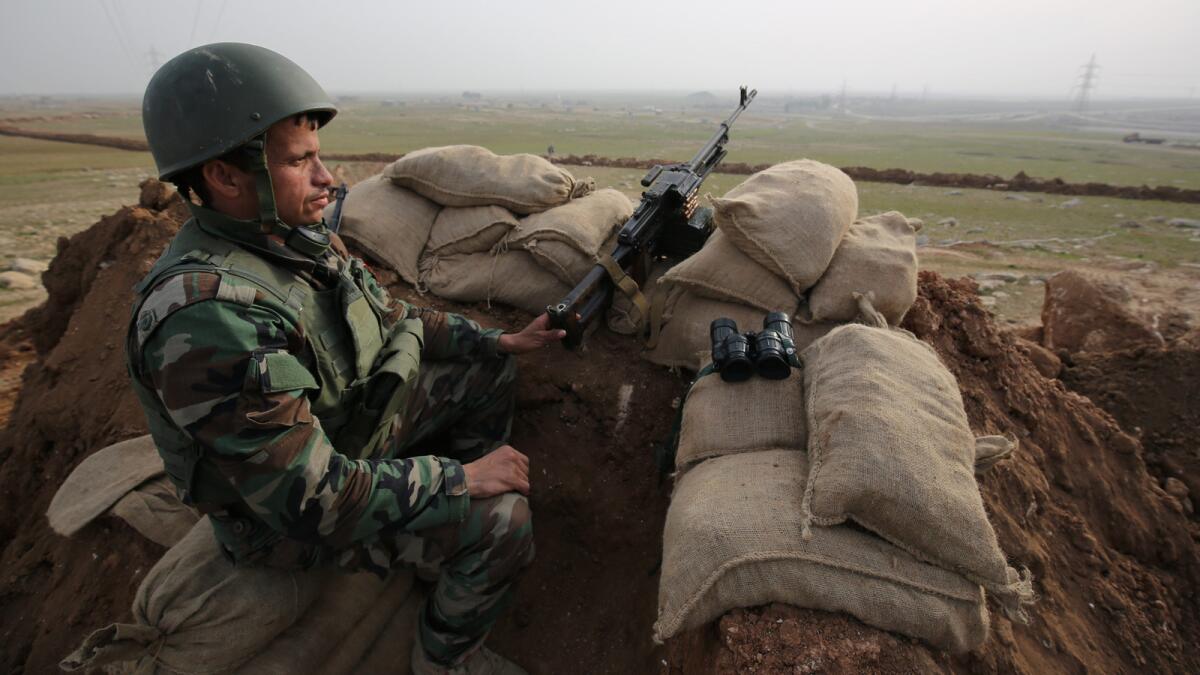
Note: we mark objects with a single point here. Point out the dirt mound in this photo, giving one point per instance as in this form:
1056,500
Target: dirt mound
1114,559
1081,314
1116,564
1152,393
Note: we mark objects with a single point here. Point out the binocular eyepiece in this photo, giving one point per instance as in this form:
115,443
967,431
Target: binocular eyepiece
737,356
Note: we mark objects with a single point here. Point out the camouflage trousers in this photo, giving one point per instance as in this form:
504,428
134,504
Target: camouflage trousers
474,563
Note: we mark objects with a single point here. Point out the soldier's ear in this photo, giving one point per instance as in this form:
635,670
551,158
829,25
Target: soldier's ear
225,181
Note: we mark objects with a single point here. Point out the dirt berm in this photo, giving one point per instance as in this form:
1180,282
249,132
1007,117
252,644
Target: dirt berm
1115,560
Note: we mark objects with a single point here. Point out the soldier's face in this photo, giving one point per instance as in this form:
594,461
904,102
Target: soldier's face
300,180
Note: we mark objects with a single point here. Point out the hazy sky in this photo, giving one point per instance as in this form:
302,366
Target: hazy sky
1011,48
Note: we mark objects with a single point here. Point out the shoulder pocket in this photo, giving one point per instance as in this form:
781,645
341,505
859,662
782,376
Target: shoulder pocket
280,371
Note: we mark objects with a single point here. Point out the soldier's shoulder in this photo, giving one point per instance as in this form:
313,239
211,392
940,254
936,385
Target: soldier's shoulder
207,295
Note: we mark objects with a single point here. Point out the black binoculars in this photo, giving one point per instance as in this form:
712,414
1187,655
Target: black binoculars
770,352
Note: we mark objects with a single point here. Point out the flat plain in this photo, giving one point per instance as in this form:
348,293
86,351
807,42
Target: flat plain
53,189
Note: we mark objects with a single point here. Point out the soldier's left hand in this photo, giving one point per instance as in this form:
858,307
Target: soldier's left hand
536,335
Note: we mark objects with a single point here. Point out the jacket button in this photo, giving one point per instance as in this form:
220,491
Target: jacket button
239,527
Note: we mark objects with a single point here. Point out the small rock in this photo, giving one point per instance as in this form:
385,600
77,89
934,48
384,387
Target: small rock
1017,198
987,301
1000,295
1074,201
989,284
1129,224
922,240
1176,488
27,266
975,230
948,222
17,281
1118,215
1157,219
1190,223
954,193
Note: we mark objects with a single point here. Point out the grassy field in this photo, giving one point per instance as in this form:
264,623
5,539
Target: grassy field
1041,150
56,189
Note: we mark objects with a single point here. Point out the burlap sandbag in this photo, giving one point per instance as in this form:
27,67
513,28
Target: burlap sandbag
389,224
567,239
155,511
878,256
728,418
468,175
470,229
510,277
790,218
722,272
357,619
891,449
195,612
100,481
684,341
732,539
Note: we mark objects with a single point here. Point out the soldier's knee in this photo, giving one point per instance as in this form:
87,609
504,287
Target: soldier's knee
515,535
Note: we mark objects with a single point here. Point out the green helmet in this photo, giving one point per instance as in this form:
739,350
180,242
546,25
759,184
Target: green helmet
212,99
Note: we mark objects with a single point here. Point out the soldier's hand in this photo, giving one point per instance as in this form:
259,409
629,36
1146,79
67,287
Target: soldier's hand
502,470
534,336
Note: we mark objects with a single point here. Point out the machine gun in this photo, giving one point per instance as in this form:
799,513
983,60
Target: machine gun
665,223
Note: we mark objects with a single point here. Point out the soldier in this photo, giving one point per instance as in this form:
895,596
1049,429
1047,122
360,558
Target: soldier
290,396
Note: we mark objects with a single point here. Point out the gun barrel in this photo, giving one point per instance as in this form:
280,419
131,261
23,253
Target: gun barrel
703,158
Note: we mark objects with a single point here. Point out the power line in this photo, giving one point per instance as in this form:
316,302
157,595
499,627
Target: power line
1087,82
117,33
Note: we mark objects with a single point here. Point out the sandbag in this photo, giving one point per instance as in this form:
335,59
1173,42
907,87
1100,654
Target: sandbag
891,449
356,619
470,229
155,511
790,218
197,613
509,277
100,481
684,341
726,418
468,175
389,224
732,539
567,239
878,256
722,272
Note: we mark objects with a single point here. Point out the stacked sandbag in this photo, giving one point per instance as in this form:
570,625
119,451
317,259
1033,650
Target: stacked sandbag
790,218
847,487
468,175
877,258
891,449
567,240
469,229
776,234
389,224
722,418
733,539
195,612
512,229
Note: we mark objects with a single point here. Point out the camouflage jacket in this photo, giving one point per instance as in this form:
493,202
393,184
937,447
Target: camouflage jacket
266,464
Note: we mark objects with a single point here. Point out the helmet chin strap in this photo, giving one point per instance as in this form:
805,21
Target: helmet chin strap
311,242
